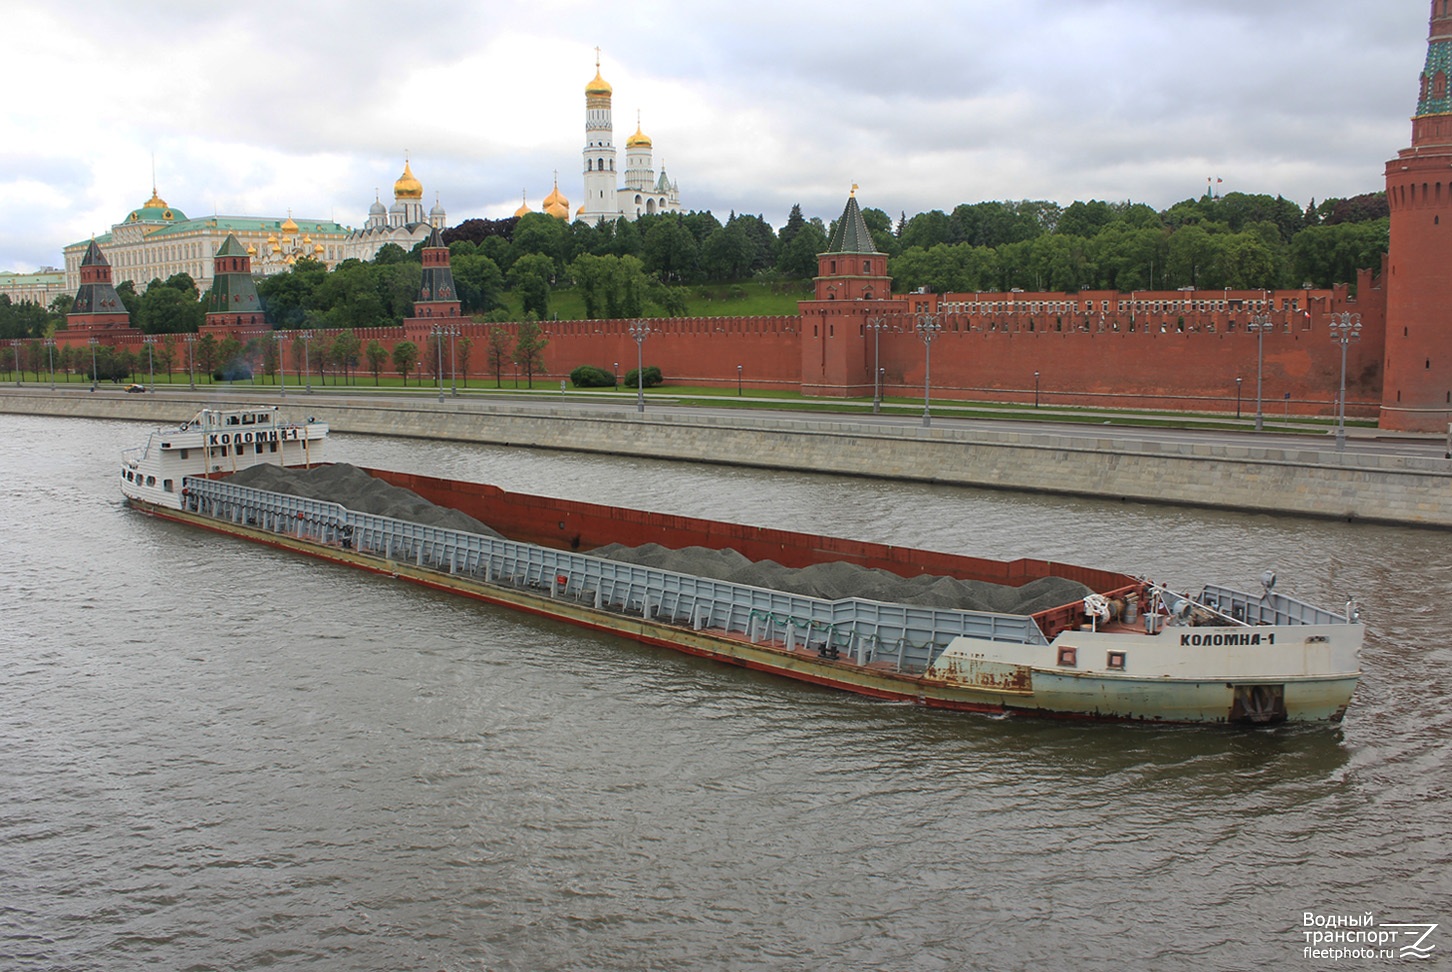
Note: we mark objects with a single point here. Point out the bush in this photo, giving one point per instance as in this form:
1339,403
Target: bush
589,376
651,376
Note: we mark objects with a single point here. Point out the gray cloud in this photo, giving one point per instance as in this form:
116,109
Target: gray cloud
276,105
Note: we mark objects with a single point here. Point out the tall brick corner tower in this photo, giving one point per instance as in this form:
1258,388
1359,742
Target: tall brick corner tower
852,286
1417,388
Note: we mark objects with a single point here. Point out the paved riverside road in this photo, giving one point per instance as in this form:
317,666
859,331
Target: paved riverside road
1359,440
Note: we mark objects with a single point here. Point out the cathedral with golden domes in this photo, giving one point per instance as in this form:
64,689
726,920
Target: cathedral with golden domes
404,223
643,193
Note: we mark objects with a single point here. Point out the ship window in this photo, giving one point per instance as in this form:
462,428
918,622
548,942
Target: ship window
224,452
166,485
1069,657
151,480
272,447
1115,661
183,453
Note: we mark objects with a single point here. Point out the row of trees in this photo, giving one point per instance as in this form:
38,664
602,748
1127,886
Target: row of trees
340,356
1238,241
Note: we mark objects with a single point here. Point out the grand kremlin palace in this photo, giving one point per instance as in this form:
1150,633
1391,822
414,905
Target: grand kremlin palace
157,240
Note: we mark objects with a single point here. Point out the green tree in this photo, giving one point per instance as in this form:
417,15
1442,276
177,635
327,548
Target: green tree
389,253
208,354
405,356
529,348
345,351
798,257
377,356
126,290
289,297
497,352
479,283
670,249
170,310
727,253
531,276
465,345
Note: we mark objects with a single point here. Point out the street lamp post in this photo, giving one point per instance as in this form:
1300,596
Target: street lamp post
1345,328
1036,389
15,353
149,341
281,364
453,364
1238,380
876,326
1259,323
927,328
50,353
307,337
616,373
93,342
438,333
738,381
639,330
192,360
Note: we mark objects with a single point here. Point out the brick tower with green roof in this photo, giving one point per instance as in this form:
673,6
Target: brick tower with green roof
1417,367
97,306
852,290
436,294
233,301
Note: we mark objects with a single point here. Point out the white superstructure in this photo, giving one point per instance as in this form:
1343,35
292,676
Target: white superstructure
217,440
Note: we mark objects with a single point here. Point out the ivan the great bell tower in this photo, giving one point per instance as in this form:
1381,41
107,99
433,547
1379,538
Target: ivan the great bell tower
1417,387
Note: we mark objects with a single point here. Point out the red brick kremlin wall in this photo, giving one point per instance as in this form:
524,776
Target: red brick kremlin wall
1125,356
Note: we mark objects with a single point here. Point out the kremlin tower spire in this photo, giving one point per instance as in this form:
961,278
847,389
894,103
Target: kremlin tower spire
1417,376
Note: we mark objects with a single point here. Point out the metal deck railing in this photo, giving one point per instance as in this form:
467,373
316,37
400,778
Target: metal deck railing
905,637
1267,608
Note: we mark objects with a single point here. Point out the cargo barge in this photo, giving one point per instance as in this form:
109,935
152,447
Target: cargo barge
1128,650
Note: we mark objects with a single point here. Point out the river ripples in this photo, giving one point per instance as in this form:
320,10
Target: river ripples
217,756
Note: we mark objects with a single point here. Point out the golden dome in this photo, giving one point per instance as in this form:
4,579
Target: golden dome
407,187
523,206
155,202
580,212
288,226
318,249
272,240
638,140
251,249
556,204
599,86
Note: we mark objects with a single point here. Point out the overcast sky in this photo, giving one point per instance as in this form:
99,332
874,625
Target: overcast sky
263,107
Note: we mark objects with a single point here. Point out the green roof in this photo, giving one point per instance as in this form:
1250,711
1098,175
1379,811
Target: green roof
230,247
850,234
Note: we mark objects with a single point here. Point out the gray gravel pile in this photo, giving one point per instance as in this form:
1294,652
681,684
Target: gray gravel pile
352,487
836,579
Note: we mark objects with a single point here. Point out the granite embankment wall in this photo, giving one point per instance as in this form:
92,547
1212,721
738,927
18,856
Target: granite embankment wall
1310,481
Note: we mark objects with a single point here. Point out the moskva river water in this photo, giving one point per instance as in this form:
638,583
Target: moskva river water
218,756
